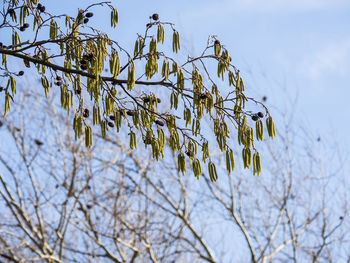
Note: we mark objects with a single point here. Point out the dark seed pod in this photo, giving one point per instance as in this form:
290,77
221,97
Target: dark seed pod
110,124
203,96
11,11
86,113
42,9
90,57
38,142
22,28
1,45
83,67
90,14
1,89
260,114
26,25
130,113
58,78
58,83
217,42
83,62
146,99
78,91
21,73
112,117
148,25
189,153
159,122
88,206
264,98
39,6
86,20
159,100
255,118
155,17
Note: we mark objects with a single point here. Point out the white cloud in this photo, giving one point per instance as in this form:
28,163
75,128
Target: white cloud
333,58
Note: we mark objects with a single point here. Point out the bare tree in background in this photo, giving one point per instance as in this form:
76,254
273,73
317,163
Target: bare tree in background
62,202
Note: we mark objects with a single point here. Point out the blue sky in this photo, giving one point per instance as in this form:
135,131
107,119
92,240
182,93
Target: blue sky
290,51
297,53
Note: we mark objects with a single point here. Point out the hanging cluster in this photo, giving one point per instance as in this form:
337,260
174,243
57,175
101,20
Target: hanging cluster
124,100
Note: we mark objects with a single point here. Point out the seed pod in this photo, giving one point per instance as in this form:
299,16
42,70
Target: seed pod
130,113
112,117
21,73
86,20
146,99
159,100
159,122
86,113
255,118
38,142
26,25
58,78
83,67
155,17
83,61
22,28
260,114
90,14
58,83
110,124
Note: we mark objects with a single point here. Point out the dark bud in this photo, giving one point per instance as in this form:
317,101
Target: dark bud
203,96
159,122
189,153
260,114
110,124
1,123
58,78
26,25
112,117
89,206
42,9
264,98
58,83
148,25
83,61
83,67
159,100
1,45
11,11
155,17
90,14
39,6
255,118
90,57
22,28
56,186
78,91
217,42
38,142
21,73
86,113
86,20
130,113
146,99
1,89
341,218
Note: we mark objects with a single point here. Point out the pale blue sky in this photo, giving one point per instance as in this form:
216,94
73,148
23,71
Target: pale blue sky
299,49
